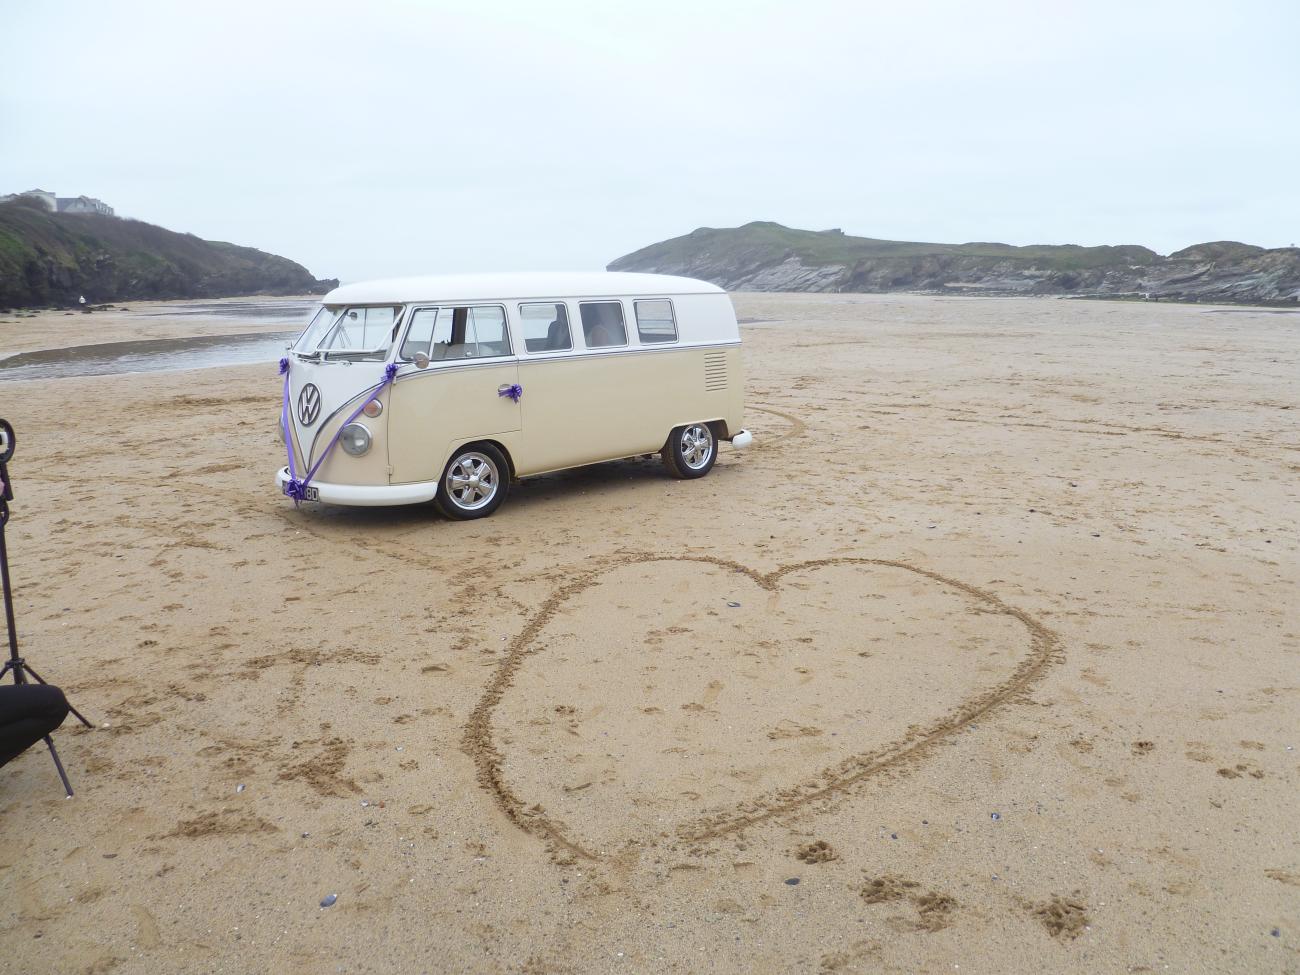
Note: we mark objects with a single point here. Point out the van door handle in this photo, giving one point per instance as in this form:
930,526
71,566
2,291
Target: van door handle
512,390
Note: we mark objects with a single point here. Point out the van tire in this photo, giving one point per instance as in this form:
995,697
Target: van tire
691,451
479,464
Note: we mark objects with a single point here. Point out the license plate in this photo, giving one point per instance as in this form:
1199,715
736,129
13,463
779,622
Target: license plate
309,493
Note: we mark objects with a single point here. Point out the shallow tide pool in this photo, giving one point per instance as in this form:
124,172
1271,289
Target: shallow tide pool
146,355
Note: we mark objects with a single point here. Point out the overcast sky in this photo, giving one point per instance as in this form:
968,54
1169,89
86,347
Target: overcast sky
369,139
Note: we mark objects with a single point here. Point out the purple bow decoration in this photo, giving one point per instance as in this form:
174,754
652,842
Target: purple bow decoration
514,391
284,365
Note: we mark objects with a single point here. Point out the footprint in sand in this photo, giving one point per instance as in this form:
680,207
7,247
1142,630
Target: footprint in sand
819,851
1064,917
934,909
791,729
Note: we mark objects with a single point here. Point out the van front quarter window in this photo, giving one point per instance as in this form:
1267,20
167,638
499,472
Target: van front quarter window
419,337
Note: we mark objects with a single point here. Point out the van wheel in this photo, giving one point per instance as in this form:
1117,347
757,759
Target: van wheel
474,483
690,451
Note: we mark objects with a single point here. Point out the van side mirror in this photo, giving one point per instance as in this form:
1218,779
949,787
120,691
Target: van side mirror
421,361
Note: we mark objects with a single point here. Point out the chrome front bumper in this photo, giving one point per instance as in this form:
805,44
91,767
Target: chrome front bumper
367,495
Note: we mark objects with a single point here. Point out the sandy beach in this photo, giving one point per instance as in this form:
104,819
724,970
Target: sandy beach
985,657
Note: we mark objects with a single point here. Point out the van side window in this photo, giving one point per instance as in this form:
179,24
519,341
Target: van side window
602,323
654,320
466,332
419,337
546,326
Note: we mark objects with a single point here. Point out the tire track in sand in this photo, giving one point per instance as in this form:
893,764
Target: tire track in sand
797,427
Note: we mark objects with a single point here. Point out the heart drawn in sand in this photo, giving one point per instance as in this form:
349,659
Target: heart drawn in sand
659,698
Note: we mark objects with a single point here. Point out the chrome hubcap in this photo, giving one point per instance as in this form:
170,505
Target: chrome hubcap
697,446
472,480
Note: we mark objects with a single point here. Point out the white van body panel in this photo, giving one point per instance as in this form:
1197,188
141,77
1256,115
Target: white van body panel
524,286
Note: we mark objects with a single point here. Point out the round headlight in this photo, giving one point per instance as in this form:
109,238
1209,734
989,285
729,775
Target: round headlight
373,408
355,439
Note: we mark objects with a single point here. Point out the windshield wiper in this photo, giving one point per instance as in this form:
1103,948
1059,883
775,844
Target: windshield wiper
349,355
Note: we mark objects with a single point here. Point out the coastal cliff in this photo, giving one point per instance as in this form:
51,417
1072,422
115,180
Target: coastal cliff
764,256
57,258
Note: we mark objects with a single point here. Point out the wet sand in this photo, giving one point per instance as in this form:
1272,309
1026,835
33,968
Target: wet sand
98,341
24,331
984,655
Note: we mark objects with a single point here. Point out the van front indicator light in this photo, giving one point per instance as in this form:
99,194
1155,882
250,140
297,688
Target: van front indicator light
373,408
354,439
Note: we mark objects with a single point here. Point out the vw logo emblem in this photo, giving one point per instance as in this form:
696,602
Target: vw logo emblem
309,404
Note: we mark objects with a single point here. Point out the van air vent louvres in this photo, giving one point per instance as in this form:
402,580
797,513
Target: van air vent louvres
715,371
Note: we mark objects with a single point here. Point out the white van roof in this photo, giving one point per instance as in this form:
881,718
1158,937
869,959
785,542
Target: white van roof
540,284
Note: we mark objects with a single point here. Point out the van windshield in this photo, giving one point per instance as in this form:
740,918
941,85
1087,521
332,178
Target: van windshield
351,332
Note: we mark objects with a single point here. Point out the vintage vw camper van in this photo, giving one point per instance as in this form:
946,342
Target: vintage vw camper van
447,388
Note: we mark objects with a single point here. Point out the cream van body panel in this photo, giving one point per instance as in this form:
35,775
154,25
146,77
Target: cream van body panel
433,410
336,384
586,408
369,469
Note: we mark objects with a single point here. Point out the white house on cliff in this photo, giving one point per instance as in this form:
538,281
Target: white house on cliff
64,204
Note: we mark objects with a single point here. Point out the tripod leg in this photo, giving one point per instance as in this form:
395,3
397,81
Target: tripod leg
41,680
67,786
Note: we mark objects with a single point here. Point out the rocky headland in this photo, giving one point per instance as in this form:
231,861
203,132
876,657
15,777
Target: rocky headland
765,256
56,259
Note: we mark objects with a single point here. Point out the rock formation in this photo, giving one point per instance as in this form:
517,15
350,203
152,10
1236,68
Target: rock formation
766,256
56,258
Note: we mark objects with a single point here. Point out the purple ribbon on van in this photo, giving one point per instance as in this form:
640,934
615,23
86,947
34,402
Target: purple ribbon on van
297,489
514,391
293,489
